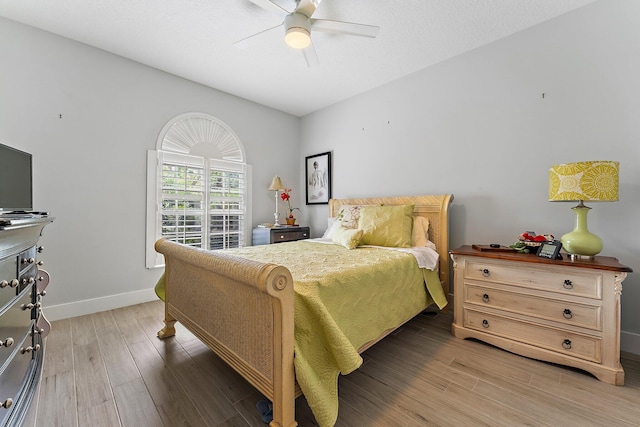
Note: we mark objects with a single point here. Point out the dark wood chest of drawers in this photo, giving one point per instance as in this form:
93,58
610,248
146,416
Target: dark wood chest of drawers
266,236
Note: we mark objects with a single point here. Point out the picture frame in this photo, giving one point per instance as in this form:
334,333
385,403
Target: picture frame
550,250
318,178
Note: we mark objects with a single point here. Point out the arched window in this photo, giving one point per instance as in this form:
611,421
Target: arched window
197,186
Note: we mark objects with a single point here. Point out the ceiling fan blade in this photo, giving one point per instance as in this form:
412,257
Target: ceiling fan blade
307,7
340,27
270,6
257,38
311,56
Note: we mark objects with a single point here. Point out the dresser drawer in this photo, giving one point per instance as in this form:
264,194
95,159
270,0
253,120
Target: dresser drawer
15,323
265,236
575,282
8,279
563,312
557,340
289,236
12,379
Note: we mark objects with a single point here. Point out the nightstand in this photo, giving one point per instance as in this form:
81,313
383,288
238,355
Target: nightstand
560,311
266,236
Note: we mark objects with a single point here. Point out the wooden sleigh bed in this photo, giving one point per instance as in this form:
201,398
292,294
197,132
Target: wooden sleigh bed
244,309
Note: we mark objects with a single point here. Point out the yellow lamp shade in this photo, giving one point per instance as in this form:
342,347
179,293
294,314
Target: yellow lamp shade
587,181
595,181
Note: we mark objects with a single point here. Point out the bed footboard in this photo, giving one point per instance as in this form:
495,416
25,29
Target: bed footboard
243,310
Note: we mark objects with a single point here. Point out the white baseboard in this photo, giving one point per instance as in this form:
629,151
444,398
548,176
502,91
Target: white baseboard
630,342
81,308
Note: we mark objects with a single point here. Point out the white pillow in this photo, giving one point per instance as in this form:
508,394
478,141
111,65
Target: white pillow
332,225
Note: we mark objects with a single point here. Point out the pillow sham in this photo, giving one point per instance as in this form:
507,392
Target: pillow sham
347,237
389,226
420,232
348,215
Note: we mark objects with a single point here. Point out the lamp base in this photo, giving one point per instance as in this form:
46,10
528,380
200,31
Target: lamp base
580,242
576,257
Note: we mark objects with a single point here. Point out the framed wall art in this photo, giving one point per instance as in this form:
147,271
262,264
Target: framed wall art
318,176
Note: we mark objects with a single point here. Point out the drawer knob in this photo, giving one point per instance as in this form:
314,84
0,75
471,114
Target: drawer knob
31,306
7,403
485,298
567,284
567,314
485,272
566,344
29,349
6,343
13,283
485,323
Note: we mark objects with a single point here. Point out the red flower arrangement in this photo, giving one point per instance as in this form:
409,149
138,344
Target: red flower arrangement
285,196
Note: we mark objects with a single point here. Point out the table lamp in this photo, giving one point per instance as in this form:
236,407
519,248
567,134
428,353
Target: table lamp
592,181
276,185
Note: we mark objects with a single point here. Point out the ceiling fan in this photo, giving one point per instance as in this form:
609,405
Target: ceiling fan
299,24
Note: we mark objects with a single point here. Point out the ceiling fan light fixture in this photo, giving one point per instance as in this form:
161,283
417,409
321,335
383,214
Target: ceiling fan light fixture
297,38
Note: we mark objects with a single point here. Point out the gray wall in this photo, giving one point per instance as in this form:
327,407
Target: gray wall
478,126
90,164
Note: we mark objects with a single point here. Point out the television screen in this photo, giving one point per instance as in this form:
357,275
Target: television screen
15,180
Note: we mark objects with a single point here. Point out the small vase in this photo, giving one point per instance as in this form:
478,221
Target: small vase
291,220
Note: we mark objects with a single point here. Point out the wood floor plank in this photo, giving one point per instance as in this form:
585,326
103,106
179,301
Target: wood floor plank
370,407
101,415
168,394
58,348
82,331
135,406
599,401
489,411
92,384
57,404
228,381
102,320
546,407
427,408
415,362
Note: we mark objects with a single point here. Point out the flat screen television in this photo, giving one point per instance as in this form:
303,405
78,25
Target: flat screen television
16,191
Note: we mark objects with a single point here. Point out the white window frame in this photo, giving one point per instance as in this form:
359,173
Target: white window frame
215,147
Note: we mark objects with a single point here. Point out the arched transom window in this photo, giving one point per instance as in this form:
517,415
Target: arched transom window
198,186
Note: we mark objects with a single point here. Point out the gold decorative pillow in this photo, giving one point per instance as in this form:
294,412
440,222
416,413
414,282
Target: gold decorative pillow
420,233
347,237
389,226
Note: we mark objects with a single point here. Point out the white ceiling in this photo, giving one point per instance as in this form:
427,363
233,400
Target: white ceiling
194,39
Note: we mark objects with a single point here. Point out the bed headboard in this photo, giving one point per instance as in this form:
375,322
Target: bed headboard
435,208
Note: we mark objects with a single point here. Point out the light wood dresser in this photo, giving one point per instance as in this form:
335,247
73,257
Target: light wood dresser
561,311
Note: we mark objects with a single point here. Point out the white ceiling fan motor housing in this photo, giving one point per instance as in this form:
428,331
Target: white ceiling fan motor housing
297,30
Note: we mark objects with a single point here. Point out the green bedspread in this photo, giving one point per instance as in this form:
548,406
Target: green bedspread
344,299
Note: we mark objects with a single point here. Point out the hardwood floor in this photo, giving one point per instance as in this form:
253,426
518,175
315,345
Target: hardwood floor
109,369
